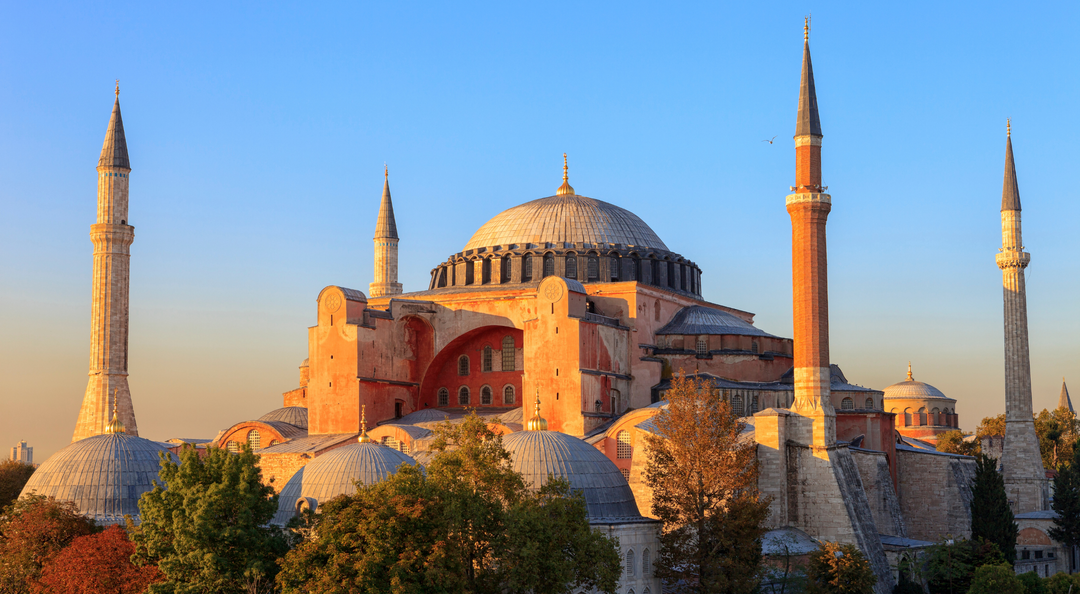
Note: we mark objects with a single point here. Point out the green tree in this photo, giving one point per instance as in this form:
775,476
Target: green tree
32,531
1066,503
1061,583
953,442
1033,584
996,579
836,568
950,565
994,520
13,477
1057,430
206,527
467,524
990,426
704,482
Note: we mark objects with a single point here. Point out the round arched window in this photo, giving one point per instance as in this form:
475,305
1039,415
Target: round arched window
233,447
626,445
508,395
463,396
870,403
463,365
254,439
444,397
485,395
847,404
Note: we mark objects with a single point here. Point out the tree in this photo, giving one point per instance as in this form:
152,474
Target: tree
950,565
32,530
953,442
97,564
13,477
996,579
1066,503
1061,583
1032,583
704,482
1057,430
994,520
467,524
836,568
990,426
206,527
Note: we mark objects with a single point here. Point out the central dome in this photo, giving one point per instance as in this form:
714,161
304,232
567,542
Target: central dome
567,218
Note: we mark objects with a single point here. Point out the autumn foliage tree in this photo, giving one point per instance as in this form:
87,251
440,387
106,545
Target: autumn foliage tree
13,477
32,531
704,480
97,564
953,442
839,569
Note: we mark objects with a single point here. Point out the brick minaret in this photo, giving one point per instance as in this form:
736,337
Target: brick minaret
386,247
112,237
809,209
1021,461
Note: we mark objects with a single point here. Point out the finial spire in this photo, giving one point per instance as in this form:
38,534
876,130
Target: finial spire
909,378
115,426
1010,191
537,423
1008,127
114,151
806,30
808,123
118,88
385,224
363,425
565,189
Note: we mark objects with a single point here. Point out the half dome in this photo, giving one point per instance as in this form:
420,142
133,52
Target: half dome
296,416
104,475
566,218
540,454
336,473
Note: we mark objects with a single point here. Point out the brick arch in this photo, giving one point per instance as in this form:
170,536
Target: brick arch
1033,537
442,371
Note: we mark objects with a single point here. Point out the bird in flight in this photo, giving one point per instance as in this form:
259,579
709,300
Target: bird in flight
769,140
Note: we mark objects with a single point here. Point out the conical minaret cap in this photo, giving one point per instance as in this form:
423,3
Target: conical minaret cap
385,225
1010,191
808,124
114,151
1064,401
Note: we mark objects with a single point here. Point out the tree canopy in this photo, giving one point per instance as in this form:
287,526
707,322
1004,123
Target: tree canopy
13,477
996,579
97,564
1066,503
994,519
207,529
704,481
32,531
836,568
951,565
952,442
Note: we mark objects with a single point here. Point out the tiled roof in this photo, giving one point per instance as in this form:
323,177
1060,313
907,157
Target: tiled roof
293,415
103,475
309,444
698,319
565,219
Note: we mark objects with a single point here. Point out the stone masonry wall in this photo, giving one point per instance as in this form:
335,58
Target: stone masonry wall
880,494
935,494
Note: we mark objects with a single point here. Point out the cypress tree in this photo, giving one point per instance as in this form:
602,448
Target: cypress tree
991,518
1066,528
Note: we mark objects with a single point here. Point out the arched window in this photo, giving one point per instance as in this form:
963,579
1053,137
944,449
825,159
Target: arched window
870,403
847,404
390,442
507,269
463,365
702,346
754,346
646,565
907,417
527,266
485,395
233,447
444,397
615,404
593,271
614,268
656,310
470,272
549,265
630,570
655,271
737,404
671,274
405,449
463,396
254,439
485,361
508,353
508,395
485,271
635,269
754,404
571,266
922,415
625,473
273,442
442,278
625,448
935,417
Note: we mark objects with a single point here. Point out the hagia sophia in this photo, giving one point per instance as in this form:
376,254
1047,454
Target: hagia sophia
562,322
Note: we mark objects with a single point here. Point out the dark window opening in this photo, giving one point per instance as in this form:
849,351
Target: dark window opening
593,271
485,271
571,267
549,265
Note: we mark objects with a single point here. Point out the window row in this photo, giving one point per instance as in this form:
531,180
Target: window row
254,441
507,359
464,396
630,567
849,404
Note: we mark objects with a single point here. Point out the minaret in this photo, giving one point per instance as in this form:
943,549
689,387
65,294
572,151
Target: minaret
809,208
386,244
1063,399
107,390
1021,461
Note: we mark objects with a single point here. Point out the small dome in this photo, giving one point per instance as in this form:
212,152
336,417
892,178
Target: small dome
910,388
698,319
426,415
293,415
538,454
566,218
104,475
335,473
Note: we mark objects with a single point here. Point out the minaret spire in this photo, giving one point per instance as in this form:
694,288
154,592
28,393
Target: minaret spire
107,388
1021,460
1063,400
386,246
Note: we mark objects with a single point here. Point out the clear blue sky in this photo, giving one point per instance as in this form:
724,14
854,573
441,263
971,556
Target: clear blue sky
258,132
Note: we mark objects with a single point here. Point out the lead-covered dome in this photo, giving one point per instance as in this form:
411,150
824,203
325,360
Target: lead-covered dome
910,388
296,416
537,455
565,219
104,475
336,473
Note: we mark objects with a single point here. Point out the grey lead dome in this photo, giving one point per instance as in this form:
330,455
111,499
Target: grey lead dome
104,475
537,455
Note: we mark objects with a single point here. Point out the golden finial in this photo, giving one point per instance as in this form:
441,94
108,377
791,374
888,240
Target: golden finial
909,378
806,29
1008,127
537,423
565,189
386,171
114,426
363,425
118,88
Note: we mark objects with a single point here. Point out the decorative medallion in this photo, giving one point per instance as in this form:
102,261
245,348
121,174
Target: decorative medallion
553,291
332,302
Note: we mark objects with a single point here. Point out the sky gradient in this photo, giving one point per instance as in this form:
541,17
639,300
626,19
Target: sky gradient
257,135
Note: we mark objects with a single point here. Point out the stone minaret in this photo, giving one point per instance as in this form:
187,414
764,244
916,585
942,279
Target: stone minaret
386,244
809,208
1063,399
1021,462
107,389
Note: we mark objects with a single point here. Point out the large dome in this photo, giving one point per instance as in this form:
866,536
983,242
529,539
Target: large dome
540,454
336,473
565,219
105,475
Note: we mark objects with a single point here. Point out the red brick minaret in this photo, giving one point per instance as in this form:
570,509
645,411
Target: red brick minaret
809,208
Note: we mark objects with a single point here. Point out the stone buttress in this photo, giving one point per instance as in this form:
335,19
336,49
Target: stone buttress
112,237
